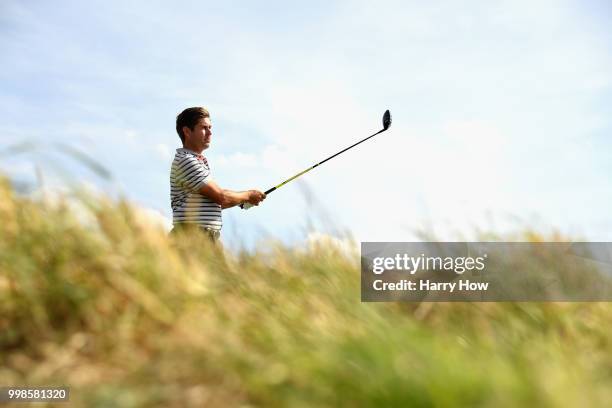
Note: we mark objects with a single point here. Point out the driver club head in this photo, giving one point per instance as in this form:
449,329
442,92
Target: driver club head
386,120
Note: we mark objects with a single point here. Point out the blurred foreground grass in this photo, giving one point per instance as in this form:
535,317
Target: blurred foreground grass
112,308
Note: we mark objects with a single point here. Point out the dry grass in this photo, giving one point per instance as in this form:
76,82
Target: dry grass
128,318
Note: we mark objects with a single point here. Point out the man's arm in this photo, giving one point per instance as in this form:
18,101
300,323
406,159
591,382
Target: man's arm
228,198
237,194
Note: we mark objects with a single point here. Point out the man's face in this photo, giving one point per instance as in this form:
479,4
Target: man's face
199,138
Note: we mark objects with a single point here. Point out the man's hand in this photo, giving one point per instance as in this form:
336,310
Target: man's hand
255,197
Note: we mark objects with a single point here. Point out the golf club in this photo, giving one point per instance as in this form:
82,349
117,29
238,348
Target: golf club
386,125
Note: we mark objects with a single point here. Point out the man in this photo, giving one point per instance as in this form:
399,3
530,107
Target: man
196,199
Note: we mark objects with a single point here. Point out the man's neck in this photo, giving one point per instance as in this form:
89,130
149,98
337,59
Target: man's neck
190,148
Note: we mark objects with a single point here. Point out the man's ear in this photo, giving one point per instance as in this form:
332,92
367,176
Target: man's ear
186,131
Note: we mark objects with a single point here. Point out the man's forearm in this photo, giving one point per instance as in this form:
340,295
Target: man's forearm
233,198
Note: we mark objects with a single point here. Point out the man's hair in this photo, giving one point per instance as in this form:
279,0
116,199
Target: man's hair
189,117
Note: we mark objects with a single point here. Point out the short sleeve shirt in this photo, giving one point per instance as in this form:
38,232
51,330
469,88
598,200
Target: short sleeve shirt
190,172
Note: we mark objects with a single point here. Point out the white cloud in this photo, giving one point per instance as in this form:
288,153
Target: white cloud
150,217
163,151
345,246
237,160
132,136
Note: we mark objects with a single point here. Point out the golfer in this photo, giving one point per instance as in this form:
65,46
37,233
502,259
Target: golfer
196,199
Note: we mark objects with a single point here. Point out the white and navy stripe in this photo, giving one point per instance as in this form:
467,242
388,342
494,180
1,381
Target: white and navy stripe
190,171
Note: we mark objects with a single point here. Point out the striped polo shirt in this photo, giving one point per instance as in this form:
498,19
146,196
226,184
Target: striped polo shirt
190,171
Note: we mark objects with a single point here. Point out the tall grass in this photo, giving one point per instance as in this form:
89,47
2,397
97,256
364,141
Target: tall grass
129,318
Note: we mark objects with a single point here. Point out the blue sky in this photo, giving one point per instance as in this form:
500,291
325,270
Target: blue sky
501,109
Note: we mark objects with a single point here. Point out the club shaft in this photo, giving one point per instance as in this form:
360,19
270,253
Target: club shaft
321,162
